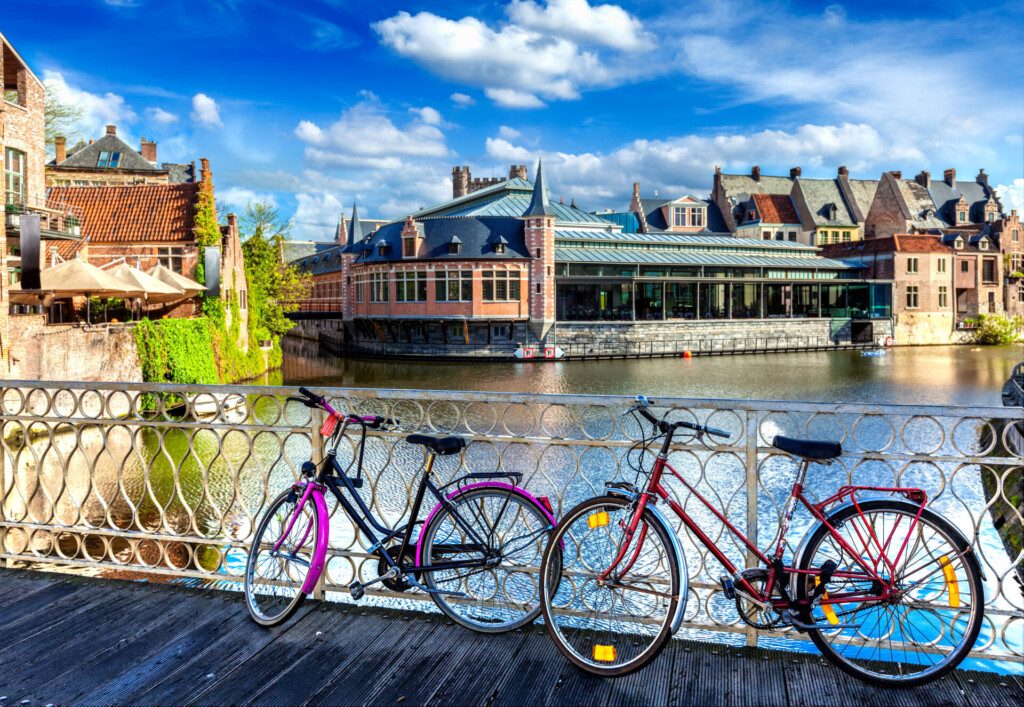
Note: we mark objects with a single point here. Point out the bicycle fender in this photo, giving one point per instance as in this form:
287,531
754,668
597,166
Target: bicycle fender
483,484
677,550
323,532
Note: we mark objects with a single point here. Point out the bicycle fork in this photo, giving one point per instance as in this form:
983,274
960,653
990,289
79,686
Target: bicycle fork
315,492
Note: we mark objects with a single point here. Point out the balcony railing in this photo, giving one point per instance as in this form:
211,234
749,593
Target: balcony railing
56,219
171,480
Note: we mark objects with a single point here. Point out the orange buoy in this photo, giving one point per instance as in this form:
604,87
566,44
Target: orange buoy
687,354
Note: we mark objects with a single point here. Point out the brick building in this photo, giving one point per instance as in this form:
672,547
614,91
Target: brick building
464,183
110,161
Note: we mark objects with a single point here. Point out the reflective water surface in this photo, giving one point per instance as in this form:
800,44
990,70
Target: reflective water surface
940,375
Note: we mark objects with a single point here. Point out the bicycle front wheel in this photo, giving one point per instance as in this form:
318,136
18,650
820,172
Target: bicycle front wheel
279,559
615,625
931,621
497,587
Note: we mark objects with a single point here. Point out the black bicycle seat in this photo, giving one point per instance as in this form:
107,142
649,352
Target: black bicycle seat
442,446
808,448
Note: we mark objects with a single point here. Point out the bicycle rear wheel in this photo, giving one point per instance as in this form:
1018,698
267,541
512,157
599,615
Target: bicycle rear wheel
273,578
502,594
615,626
924,630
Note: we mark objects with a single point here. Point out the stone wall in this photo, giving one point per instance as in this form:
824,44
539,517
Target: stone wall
100,352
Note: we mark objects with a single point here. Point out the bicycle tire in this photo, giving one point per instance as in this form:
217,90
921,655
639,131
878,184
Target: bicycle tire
548,592
970,568
460,611
250,594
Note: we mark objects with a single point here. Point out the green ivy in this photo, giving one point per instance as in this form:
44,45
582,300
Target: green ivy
176,350
999,329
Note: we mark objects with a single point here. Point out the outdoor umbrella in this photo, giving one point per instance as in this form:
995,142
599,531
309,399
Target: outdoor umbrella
77,277
153,289
189,288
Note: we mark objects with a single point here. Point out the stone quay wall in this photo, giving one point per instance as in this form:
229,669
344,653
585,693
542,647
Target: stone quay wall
99,352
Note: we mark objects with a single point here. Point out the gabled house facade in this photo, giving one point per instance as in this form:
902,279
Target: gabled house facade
110,161
769,217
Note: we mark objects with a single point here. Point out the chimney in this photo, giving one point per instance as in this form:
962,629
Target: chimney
896,174
634,204
924,178
111,130
794,172
148,150
60,146
755,173
843,172
982,178
949,177
232,223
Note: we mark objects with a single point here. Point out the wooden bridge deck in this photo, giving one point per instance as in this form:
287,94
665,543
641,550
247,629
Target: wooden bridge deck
73,640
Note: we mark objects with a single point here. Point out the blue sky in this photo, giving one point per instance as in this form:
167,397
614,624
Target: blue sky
318,104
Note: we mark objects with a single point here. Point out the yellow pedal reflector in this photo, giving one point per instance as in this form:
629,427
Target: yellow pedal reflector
597,520
830,613
605,654
952,585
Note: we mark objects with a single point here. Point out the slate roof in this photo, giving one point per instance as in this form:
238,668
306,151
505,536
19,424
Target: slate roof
509,198
775,208
946,197
478,236
862,192
920,205
179,173
819,195
690,241
88,156
295,250
133,214
740,187
653,213
322,261
540,205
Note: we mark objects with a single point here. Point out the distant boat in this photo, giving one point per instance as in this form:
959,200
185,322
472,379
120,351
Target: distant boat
873,352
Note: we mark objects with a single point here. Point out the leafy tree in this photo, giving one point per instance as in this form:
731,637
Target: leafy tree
274,287
60,117
998,329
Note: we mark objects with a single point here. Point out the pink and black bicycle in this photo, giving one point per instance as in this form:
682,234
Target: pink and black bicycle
888,590
477,553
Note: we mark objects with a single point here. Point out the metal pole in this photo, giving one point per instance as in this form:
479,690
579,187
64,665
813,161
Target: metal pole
751,486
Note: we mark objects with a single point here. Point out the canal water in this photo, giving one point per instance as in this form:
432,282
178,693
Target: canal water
939,375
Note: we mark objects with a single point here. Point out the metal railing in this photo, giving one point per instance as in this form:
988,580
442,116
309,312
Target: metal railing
55,217
170,479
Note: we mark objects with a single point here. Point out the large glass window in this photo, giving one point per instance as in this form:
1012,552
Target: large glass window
681,300
650,299
597,302
410,287
500,286
379,287
746,301
453,285
713,301
805,300
14,175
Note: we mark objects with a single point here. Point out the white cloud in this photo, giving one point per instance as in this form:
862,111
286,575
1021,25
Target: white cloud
161,116
314,215
239,197
205,111
462,100
507,132
1012,196
365,137
517,66
501,149
835,15
99,110
511,98
608,25
428,115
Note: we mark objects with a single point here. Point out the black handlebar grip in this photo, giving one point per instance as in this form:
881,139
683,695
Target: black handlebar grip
716,432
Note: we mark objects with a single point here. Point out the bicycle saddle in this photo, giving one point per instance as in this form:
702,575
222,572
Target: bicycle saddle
441,446
808,448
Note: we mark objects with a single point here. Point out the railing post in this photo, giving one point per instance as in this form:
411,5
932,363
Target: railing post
751,485
318,451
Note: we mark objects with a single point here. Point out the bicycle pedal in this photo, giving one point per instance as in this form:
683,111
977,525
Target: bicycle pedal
356,590
728,588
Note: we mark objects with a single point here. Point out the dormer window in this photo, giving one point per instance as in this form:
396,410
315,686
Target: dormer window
454,246
961,215
990,216
500,246
409,247
382,247
958,244
983,244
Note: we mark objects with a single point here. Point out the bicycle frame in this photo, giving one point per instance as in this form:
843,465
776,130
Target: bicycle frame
777,572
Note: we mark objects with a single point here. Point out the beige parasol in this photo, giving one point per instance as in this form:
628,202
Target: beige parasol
154,290
77,277
189,288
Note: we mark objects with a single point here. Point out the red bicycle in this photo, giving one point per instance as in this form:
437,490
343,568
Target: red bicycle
887,589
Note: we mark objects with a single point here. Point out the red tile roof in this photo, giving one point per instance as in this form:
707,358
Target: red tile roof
776,208
133,214
902,242
920,243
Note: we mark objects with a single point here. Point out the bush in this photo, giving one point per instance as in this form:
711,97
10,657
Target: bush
998,329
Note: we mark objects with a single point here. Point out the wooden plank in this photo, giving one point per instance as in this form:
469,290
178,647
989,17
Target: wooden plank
486,663
26,605
20,585
445,650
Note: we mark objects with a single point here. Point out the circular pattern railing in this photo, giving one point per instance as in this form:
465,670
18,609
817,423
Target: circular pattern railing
170,480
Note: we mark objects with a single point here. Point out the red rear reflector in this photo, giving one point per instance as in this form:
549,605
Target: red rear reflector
546,502
330,424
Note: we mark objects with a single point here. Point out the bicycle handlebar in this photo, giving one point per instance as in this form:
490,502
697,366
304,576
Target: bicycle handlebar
312,400
643,402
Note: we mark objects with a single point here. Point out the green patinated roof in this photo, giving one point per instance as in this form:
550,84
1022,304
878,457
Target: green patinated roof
661,257
687,241
509,198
